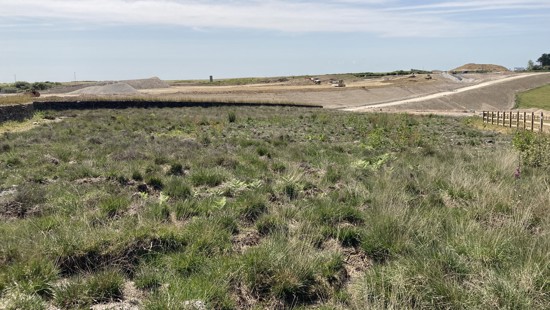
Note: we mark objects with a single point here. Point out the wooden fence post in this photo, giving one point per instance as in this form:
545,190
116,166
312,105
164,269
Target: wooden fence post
541,121
498,117
517,120
524,119
492,117
511,119
532,121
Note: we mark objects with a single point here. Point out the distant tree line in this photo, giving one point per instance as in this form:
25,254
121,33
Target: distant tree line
22,86
543,63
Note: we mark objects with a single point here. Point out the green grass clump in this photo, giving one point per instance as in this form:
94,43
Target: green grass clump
271,270
208,177
105,286
178,189
114,206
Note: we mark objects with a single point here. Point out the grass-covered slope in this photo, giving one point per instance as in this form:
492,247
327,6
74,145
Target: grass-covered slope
538,98
269,208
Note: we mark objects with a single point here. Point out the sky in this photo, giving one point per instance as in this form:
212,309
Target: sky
60,40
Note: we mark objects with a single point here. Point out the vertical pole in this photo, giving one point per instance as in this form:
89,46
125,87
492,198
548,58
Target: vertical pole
532,121
541,121
492,117
511,119
504,120
524,119
498,117
517,120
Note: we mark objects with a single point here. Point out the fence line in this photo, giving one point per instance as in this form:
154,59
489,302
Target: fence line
515,119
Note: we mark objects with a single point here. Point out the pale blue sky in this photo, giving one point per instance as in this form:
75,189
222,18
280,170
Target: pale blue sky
179,39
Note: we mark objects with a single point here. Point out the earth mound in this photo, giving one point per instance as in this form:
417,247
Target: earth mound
109,89
480,68
151,83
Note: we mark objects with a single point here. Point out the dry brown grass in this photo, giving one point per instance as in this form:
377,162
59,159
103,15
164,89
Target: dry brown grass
15,99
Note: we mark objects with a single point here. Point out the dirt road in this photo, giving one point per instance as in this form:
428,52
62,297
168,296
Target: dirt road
485,89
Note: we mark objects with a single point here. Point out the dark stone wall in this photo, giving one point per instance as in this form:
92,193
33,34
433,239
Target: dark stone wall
18,112
91,105
21,112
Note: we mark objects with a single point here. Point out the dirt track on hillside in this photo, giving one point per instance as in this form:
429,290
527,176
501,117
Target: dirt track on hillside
491,95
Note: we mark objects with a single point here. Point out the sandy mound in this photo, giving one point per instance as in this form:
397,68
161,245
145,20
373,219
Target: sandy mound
110,89
480,68
151,83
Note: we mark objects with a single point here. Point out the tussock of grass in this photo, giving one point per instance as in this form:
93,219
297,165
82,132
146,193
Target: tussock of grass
279,208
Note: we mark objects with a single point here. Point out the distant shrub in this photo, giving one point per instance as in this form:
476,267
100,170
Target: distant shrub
534,149
22,85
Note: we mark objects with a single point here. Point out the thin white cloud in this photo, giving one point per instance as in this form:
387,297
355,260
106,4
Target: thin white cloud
382,17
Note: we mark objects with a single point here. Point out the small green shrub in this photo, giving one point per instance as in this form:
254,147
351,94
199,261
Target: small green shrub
534,149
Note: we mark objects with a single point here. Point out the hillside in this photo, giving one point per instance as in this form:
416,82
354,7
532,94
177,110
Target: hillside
471,67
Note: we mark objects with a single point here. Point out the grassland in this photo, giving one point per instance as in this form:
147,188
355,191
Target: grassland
15,99
538,98
270,207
